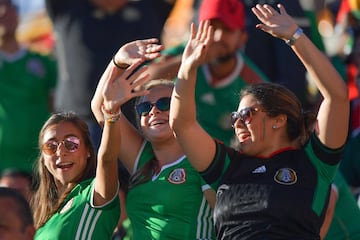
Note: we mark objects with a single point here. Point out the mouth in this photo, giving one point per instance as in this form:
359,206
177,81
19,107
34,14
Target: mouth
243,137
64,166
157,122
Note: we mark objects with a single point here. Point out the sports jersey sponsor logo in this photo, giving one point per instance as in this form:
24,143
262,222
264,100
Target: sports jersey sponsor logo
67,206
286,176
260,169
177,176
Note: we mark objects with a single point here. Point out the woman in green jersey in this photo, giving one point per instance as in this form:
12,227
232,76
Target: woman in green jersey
166,198
76,197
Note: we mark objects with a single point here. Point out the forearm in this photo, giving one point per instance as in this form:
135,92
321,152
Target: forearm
326,78
183,108
106,184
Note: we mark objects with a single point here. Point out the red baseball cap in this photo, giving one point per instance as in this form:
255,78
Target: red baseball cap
230,12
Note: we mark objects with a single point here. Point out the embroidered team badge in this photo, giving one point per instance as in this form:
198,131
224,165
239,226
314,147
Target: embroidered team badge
177,176
286,176
67,206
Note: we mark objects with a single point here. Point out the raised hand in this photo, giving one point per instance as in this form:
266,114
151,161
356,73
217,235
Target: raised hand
197,45
278,24
143,50
117,91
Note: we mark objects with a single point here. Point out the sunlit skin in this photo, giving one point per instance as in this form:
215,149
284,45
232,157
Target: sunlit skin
10,223
258,138
155,125
65,166
226,41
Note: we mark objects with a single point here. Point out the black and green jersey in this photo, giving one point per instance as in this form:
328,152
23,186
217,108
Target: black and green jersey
283,196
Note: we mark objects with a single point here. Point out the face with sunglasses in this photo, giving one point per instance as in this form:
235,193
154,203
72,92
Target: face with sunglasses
153,111
64,153
253,127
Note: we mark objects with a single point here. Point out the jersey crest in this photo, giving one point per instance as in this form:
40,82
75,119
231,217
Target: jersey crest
177,176
67,206
285,176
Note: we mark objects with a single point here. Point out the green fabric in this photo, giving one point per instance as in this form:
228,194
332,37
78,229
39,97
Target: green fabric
25,85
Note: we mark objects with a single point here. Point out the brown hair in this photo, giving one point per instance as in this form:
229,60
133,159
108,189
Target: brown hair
48,198
145,173
276,99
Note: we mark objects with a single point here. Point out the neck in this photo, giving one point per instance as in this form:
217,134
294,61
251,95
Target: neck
9,46
167,153
109,6
222,67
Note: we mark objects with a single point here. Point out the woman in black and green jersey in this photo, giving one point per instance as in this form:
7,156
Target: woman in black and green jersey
277,186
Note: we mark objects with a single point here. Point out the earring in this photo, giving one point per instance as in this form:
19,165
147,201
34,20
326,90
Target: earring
89,155
274,126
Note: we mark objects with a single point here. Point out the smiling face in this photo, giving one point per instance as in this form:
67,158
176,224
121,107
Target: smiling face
66,166
155,125
257,134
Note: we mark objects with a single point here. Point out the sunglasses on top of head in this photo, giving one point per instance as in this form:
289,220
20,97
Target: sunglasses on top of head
245,115
162,104
71,145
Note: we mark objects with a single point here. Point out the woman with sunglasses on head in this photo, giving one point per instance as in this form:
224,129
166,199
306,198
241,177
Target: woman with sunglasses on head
166,197
76,196
277,186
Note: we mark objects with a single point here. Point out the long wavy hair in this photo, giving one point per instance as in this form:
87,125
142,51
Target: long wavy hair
47,197
276,99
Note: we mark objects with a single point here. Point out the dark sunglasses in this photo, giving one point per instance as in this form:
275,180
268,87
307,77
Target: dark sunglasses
71,144
163,104
245,115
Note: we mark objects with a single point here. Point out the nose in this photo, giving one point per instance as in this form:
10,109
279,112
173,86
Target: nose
238,124
218,34
60,149
154,109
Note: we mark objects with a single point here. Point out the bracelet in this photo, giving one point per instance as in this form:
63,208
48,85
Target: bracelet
121,65
109,116
294,37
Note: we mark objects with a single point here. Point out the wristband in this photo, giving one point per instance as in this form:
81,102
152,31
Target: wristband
110,117
122,66
294,37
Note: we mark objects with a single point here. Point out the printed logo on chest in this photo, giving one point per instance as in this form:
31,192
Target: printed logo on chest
177,176
285,176
67,206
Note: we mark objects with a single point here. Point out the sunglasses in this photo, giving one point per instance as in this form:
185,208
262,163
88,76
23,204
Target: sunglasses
163,104
245,115
71,144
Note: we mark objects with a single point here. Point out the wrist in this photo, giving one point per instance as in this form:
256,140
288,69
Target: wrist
122,66
110,116
294,37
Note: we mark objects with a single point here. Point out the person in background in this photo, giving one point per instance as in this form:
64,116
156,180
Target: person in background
87,35
16,219
167,198
224,71
344,220
26,92
288,157
77,192
21,181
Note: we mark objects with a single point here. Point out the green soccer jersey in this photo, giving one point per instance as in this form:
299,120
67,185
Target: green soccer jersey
171,205
26,80
77,218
